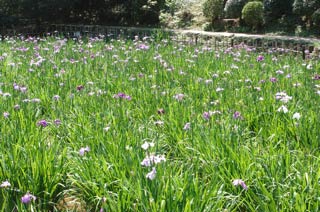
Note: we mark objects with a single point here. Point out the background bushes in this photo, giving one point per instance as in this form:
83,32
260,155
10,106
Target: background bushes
252,14
282,16
233,8
213,9
316,17
104,12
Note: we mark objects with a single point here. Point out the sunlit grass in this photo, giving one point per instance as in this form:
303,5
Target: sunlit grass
83,120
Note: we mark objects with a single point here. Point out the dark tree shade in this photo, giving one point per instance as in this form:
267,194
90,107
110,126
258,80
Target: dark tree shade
275,9
107,12
307,9
233,8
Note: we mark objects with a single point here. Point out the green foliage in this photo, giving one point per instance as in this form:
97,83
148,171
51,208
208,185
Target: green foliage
172,6
108,12
275,9
274,153
143,12
233,8
298,7
176,14
305,7
316,18
213,9
252,13
305,10
46,10
168,13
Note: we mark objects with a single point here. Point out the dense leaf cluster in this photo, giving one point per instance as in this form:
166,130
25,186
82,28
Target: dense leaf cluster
107,12
252,13
284,13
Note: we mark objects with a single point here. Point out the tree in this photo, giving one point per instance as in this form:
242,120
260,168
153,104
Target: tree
275,9
213,9
316,17
305,9
145,11
233,8
46,10
107,12
252,13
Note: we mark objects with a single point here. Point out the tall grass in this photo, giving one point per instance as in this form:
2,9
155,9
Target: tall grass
78,116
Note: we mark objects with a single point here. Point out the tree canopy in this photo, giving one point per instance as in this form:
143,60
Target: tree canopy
119,12
284,14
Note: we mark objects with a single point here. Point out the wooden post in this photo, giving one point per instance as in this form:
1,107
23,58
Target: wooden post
215,43
223,40
303,49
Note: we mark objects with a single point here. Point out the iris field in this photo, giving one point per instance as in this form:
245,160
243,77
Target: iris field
150,124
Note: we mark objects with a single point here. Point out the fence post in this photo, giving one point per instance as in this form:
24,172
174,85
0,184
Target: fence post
303,49
196,39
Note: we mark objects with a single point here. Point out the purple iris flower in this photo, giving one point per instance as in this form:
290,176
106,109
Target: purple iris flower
260,58
42,123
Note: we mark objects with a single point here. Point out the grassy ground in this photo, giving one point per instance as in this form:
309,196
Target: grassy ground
152,125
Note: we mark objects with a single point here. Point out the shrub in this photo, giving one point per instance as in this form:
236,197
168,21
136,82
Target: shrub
233,8
213,9
252,13
185,18
172,6
298,7
176,14
316,17
305,8
288,23
275,9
